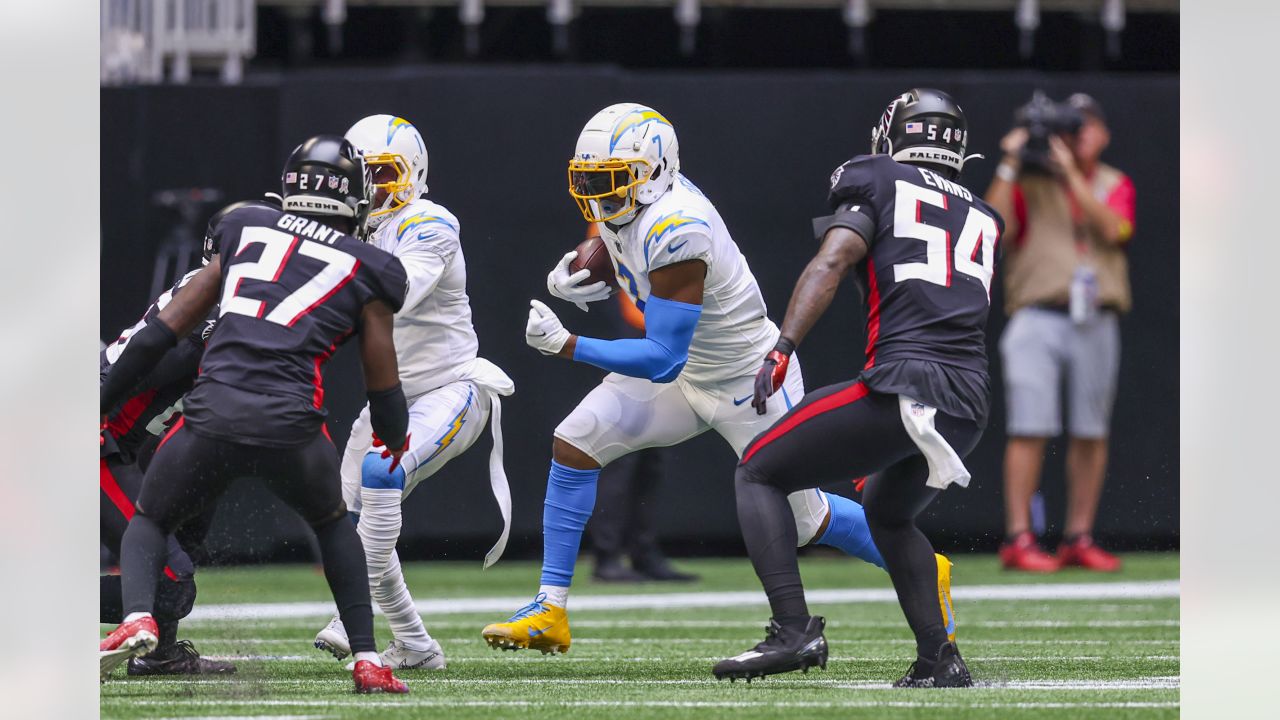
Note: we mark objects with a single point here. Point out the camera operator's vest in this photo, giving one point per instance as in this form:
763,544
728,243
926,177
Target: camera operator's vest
1040,263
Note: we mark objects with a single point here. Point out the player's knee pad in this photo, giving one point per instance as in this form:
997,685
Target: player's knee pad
174,600
376,473
579,429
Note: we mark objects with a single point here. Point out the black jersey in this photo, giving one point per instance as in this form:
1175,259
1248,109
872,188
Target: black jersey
926,280
157,396
293,290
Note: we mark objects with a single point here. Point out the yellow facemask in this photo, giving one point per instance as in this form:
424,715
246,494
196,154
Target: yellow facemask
592,183
401,186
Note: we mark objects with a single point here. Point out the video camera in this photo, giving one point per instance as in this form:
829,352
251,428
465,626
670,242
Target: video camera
1042,117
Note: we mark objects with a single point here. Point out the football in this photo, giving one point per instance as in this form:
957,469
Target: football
594,256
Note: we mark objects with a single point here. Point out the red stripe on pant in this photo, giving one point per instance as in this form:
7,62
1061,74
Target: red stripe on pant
116,495
172,430
851,394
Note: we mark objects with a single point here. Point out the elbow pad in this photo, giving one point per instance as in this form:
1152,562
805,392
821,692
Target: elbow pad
142,353
389,416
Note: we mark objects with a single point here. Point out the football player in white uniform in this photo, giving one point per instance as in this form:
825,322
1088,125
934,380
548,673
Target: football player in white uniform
451,391
706,331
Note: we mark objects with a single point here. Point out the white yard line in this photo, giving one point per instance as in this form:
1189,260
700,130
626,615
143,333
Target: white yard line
666,601
426,702
969,643
809,680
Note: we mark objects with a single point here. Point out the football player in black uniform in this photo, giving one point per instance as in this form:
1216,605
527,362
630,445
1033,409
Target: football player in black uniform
291,285
923,249
127,443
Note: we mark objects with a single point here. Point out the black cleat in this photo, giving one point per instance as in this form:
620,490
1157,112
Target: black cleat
179,658
783,650
947,671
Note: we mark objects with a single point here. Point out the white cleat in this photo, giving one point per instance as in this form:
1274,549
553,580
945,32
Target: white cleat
400,657
333,639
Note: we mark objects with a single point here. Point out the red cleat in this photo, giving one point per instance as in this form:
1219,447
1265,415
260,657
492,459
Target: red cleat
372,678
1083,553
1025,555
130,639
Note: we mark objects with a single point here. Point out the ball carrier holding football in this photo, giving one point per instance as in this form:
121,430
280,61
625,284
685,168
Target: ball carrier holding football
923,249
706,326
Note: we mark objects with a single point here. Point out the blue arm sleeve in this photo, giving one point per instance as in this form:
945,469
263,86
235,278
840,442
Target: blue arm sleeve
660,355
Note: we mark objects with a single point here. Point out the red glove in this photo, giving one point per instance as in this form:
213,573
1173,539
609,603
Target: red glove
772,373
389,453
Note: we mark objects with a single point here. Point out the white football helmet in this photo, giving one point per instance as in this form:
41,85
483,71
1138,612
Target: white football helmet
392,142
627,156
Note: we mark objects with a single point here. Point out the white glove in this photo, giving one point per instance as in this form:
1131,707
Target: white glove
544,332
564,285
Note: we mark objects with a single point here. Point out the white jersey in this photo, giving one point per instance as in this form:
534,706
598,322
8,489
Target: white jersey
435,340
734,332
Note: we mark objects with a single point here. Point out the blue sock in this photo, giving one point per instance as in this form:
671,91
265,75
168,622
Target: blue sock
848,530
571,496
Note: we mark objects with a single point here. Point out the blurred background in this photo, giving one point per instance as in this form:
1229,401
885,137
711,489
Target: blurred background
201,101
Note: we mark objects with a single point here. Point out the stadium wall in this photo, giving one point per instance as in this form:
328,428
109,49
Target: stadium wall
760,144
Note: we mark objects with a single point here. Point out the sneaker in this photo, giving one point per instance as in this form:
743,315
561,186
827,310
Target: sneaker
179,658
784,649
947,671
944,596
401,657
536,626
333,639
370,678
128,640
1024,554
1083,553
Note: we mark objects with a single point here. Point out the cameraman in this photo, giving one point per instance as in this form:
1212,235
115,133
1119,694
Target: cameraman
1069,218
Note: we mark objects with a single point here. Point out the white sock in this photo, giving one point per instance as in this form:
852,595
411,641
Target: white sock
379,529
134,616
556,595
370,656
392,595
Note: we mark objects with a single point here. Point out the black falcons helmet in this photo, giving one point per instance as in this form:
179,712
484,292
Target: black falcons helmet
923,125
209,249
326,175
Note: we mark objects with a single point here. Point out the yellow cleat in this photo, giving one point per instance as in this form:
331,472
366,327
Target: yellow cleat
536,626
944,596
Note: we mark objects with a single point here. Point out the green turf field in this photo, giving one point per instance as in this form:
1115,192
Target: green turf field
1033,653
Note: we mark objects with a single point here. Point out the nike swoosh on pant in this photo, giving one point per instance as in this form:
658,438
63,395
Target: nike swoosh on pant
739,402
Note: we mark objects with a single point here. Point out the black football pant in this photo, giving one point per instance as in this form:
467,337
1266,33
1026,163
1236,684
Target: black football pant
190,472
838,433
118,484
